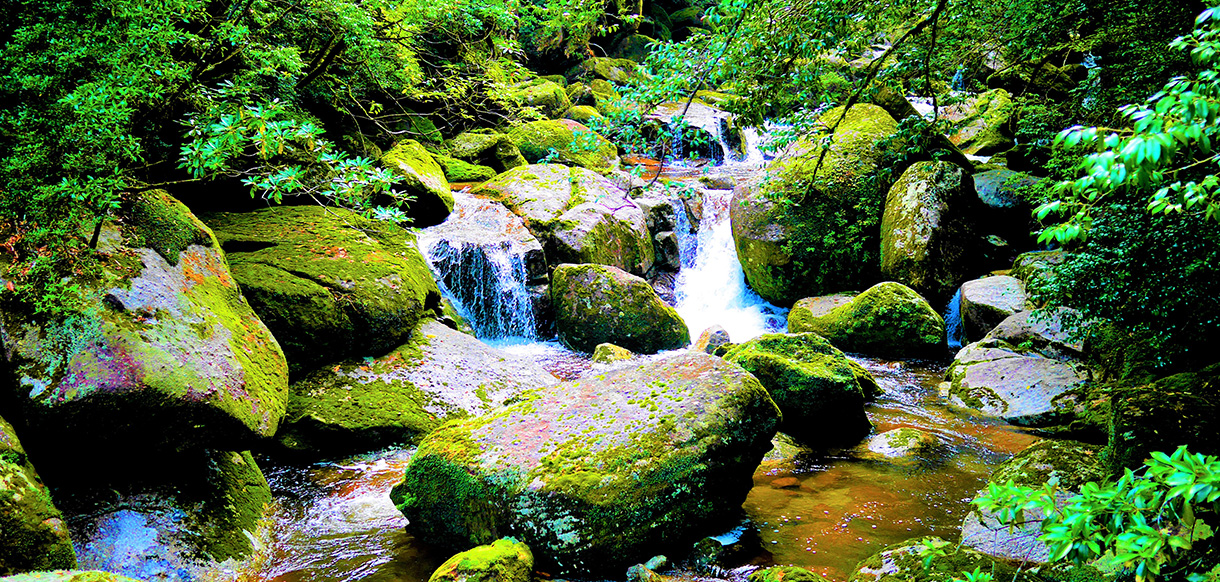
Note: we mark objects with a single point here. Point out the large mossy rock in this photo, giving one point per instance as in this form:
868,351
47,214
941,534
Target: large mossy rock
422,178
363,405
329,283
784,574
830,239
33,535
494,150
904,562
814,385
987,124
580,216
569,142
462,171
162,353
1067,465
597,304
622,71
598,473
68,576
988,301
504,560
888,320
927,236
1023,384
1031,77
550,98
1182,409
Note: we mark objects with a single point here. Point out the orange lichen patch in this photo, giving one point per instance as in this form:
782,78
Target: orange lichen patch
651,167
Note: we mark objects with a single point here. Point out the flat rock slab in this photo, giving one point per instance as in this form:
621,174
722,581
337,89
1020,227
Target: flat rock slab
1022,388
600,472
986,302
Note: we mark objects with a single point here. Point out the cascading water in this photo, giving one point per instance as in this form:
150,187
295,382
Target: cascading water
954,332
484,259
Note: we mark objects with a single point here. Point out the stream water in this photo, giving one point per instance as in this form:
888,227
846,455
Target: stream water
334,522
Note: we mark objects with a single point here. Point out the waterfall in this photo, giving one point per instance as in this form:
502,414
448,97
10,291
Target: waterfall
954,331
713,290
484,261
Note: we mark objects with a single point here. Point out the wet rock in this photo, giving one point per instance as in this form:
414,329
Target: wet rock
642,573
784,574
568,142
657,563
495,150
610,353
579,216
483,227
329,284
927,235
163,353
831,239
597,304
659,214
888,320
715,555
813,384
599,472
550,98
904,443
504,560
68,576
711,338
669,256
366,404
1044,330
718,182
905,562
423,179
1067,465
1176,410
986,302
1020,384
33,535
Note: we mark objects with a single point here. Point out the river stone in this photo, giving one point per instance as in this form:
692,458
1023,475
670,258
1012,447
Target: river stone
462,171
904,562
784,574
495,150
33,535
905,443
888,320
711,338
1182,409
814,385
329,283
580,216
927,237
421,178
1067,465
1023,386
830,240
164,352
610,353
550,98
570,142
601,472
1003,211
597,304
504,560
1043,330
642,573
68,576
439,374
986,302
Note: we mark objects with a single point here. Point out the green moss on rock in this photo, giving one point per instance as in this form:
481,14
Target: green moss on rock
784,574
33,535
597,304
550,98
494,150
569,142
905,562
68,576
888,320
422,178
462,171
504,560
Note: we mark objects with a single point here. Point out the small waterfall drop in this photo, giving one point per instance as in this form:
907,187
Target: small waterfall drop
954,331
484,260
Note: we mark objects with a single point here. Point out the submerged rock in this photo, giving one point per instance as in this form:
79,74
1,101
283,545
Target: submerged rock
597,473
927,235
163,352
888,320
904,562
329,283
567,141
423,179
33,535
439,374
597,304
814,385
504,560
986,302
580,216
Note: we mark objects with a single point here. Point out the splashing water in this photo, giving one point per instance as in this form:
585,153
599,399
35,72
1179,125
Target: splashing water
954,332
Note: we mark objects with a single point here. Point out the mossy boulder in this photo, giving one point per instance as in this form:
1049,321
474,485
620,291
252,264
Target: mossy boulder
597,473
905,444
597,304
1067,465
548,97
987,124
711,339
580,216
33,535
581,95
462,171
494,150
830,239
904,562
421,177
813,384
329,283
569,142
610,353
366,404
163,352
927,237
581,113
1021,384
504,560
988,301
1181,409
784,574
1031,77
622,71
68,576
888,320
